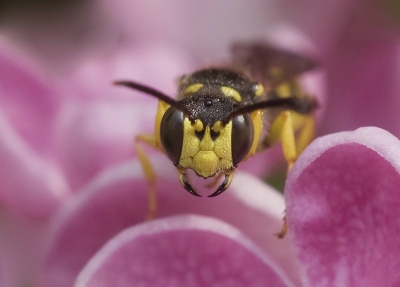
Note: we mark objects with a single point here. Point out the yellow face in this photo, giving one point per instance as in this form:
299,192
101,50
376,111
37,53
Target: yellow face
206,156
213,147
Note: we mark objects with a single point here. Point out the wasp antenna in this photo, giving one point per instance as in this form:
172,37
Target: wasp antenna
300,105
152,92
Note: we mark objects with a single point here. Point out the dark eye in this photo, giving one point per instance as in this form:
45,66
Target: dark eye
171,133
242,137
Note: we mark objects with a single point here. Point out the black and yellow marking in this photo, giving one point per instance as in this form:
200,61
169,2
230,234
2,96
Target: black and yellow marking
219,116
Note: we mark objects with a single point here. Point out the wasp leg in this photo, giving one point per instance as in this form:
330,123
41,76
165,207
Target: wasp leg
288,139
148,171
283,129
306,134
152,140
289,152
227,182
283,230
185,183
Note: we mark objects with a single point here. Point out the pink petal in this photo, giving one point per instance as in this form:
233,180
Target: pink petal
343,208
361,56
92,136
23,242
27,182
27,98
117,199
4,276
97,126
181,251
322,21
184,22
28,107
363,75
154,63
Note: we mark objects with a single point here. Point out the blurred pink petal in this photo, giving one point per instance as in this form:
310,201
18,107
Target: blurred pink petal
343,203
96,128
27,98
364,86
4,276
361,52
181,251
117,199
23,241
322,21
155,63
184,22
27,182
95,135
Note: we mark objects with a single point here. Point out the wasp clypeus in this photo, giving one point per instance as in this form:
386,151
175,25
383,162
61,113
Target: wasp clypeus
217,120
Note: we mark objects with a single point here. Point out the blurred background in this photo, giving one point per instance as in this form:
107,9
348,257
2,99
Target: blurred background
355,41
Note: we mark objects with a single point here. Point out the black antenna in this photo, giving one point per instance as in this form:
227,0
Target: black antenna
300,105
159,95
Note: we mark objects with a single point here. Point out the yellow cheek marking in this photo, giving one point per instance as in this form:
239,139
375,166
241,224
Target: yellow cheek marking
223,144
193,88
190,145
229,92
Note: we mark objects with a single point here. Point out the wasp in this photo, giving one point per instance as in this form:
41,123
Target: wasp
220,115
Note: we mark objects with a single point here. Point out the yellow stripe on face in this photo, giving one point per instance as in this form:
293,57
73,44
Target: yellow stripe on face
193,88
229,92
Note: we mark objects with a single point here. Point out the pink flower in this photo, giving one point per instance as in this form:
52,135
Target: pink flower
342,210
56,137
342,206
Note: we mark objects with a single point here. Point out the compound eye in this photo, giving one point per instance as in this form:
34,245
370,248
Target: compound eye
242,137
171,133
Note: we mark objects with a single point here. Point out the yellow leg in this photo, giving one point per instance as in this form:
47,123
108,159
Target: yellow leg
289,152
306,134
154,141
283,230
283,129
148,171
288,139
292,148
